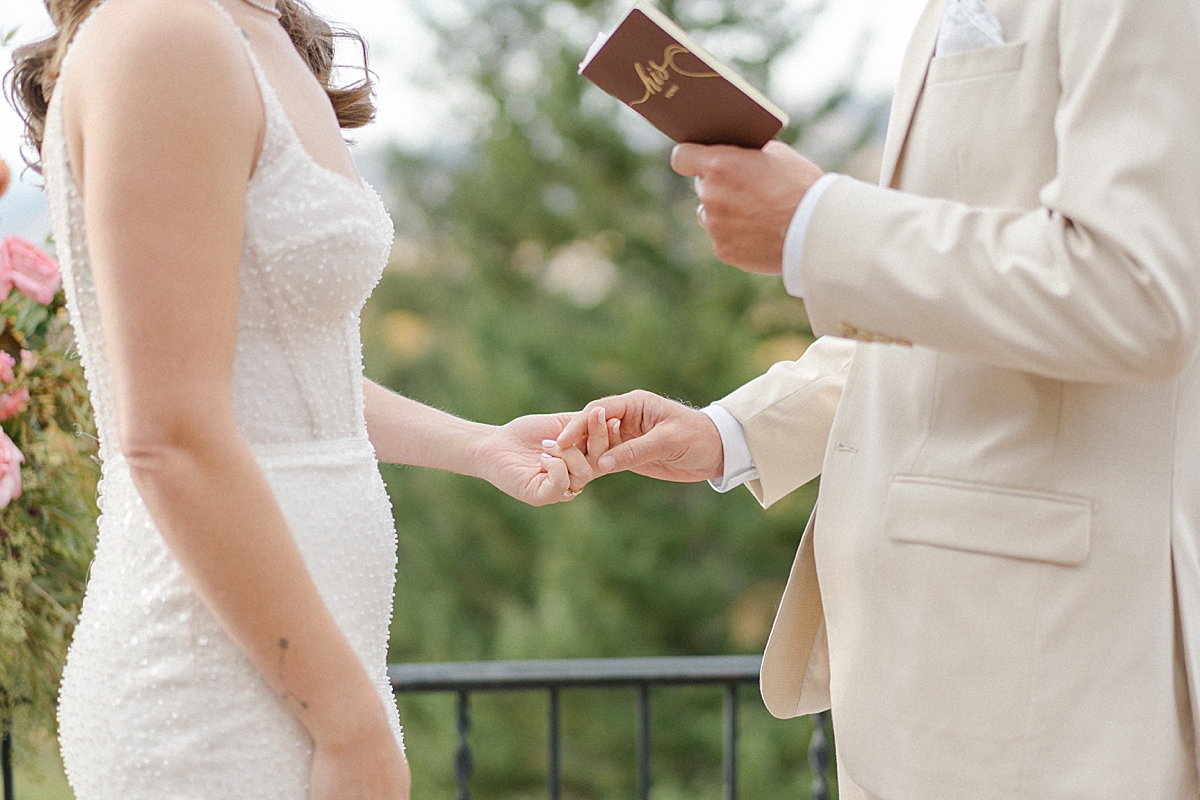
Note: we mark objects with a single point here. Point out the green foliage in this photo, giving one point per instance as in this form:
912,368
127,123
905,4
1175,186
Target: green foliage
554,259
47,534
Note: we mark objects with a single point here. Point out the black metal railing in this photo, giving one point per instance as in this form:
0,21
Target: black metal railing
555,676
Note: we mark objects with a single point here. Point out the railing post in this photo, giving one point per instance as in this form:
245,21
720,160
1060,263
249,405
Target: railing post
731,735
553,769
463,764
6,760
643,741
818,757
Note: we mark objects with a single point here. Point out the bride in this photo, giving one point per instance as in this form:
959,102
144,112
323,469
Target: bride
217,246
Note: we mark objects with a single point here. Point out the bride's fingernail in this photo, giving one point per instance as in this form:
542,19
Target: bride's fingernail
549,443
607,463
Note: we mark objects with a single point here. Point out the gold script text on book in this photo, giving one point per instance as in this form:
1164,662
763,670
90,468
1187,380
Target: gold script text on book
657,76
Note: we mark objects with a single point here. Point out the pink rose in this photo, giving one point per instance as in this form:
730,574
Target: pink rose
7,363
11,460
13,403
30,270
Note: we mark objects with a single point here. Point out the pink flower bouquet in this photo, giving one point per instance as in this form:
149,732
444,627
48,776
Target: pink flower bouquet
46,452
29,269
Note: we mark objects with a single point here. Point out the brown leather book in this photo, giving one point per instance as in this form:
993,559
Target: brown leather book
653,66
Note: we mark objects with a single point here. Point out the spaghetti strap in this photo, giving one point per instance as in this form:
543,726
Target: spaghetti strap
280,134
275,119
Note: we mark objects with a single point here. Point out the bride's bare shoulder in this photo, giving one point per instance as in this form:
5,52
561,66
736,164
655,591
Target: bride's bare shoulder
151,68
148,47
138,28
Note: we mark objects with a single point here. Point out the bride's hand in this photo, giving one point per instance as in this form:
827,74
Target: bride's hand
511,458
372,770
522,459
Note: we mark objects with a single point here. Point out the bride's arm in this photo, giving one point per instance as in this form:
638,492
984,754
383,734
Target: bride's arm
164,121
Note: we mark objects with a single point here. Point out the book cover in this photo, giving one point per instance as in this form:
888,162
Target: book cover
651,64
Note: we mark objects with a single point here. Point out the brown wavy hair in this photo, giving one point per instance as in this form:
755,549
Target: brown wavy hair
30,83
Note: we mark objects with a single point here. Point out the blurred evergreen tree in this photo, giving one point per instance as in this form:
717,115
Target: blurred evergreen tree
555,259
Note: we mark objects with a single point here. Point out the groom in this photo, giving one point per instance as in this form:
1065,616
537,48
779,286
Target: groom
999,591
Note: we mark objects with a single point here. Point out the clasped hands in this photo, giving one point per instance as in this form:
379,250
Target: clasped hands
639,431
549,458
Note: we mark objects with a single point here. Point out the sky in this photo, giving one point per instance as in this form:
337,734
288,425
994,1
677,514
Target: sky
415,118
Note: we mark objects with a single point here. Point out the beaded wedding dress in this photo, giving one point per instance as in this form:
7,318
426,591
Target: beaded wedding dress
157,702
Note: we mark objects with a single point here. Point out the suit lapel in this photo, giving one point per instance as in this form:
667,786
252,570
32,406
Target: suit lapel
908,88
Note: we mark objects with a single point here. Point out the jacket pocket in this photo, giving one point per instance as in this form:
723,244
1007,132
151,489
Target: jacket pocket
978,518
976,63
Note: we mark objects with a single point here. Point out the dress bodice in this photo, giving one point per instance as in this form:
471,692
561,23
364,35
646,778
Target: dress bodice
315,244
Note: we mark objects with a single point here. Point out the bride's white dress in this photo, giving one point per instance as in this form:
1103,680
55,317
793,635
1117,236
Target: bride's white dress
156,700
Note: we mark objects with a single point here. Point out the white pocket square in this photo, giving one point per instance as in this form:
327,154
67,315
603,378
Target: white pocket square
967,25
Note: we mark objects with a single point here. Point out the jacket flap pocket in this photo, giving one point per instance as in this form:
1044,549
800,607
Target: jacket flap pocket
1017,523
976,63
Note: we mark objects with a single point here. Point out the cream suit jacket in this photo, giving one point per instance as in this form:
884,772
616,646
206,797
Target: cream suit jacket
999,594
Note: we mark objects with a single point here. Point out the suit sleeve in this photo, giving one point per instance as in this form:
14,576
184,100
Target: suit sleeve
1102,282
787,414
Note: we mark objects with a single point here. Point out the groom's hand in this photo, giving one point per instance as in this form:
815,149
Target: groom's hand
747,198
658,438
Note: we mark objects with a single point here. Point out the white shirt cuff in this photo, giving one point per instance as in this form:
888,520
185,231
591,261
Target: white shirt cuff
797,232
739,464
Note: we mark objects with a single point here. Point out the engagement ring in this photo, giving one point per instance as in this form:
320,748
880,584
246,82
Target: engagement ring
569,494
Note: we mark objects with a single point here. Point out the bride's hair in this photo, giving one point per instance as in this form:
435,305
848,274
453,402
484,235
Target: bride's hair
35,66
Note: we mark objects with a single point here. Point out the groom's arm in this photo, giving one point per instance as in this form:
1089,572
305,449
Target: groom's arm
787,413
